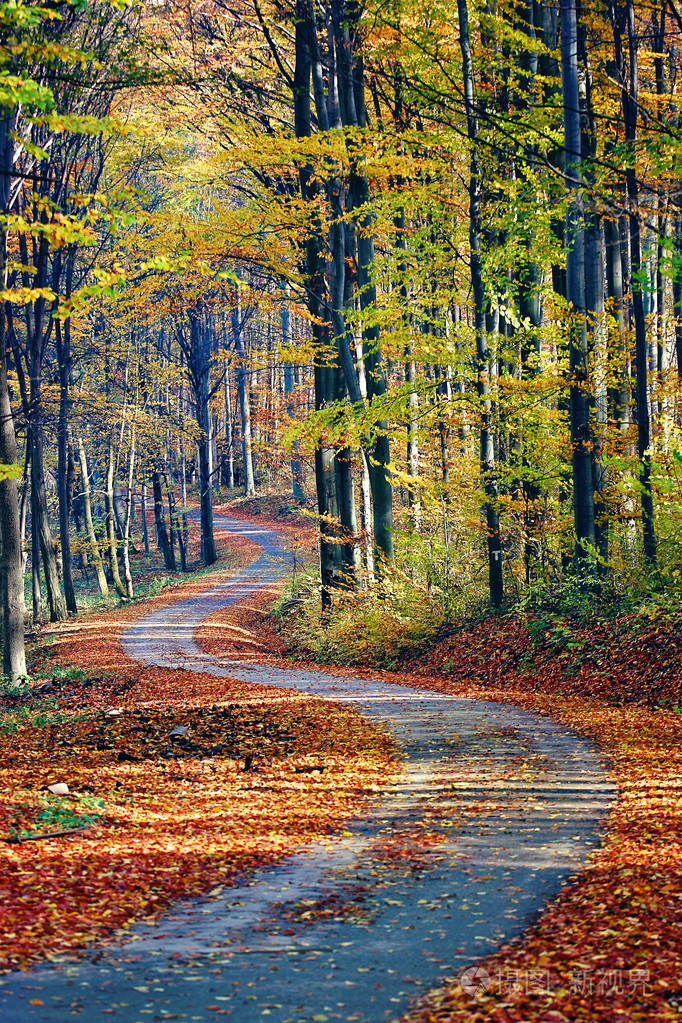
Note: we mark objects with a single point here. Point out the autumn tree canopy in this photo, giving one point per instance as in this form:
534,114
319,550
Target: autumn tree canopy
417,264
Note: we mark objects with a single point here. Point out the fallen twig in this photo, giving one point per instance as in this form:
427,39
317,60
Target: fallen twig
45,834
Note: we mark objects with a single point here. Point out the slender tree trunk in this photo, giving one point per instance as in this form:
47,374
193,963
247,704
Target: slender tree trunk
55,599
351,90
410,379
160,521
175,530
89,527
37,598
324,467
111,522
127,574
208,551
677,300
229,432
198,353
296,467
442,400
594,299
595,317
487,449
619,392
24,503
41,522
143,514
63,337
581,437
244,400
367,519
183,495
11,568
629,81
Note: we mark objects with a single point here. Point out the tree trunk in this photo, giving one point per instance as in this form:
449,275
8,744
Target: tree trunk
324,468
229,432
11,570
244,400
183,469
36,594
351,87
40,519
175,527
143,515
89,528
487,448
581,437
201,369
111,522
55,599
296,467
160,522
629,81
619,392
63,339
595,317
127,574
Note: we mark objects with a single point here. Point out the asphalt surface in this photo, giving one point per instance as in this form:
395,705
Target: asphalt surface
496,808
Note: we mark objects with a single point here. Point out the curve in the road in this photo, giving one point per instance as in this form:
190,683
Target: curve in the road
512,803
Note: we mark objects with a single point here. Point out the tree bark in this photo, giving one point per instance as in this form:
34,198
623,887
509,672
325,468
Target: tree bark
324,467
351,89
127,574
619,392
160,521
296,467
244,399
11,569
111,522
143,515
63,339
581,436
629,82
89,527
200,368
40,519
487,448
229,431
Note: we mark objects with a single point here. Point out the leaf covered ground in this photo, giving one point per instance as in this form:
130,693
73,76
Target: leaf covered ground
154,817
607,948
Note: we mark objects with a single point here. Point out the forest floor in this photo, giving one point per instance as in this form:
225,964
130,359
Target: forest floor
606,949
142,826
609,944
615,933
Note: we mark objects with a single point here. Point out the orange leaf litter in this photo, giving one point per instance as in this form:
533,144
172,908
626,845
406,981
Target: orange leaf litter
173,828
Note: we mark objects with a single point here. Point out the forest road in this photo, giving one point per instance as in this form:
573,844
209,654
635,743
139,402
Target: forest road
512,801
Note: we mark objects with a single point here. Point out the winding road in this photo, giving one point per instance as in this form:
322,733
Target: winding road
512,802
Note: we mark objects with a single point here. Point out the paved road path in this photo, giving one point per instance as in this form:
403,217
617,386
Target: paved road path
534,796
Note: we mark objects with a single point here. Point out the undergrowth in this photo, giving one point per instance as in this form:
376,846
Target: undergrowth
382,627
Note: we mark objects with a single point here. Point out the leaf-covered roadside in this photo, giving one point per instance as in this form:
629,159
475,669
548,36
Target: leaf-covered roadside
167,816
607,948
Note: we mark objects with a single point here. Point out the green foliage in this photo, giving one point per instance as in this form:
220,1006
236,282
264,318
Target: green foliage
14,719
364,627
62,813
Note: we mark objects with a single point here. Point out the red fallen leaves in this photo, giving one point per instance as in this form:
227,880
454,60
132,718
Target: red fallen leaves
169,827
